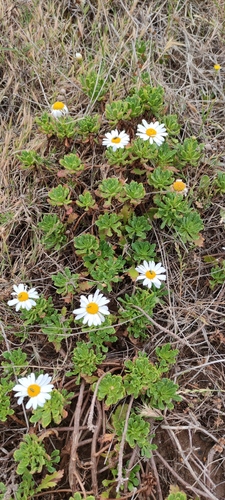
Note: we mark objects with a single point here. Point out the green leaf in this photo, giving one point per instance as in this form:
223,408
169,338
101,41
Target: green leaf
111,387
50,480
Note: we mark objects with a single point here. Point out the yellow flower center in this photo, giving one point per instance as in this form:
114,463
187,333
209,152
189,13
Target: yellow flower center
33,390
22,296
58,105
179,185
150,132
92,308
150,275
217,67
116,140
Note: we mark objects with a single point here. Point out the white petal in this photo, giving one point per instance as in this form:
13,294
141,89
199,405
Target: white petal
20,400
12,302
147,282
104,310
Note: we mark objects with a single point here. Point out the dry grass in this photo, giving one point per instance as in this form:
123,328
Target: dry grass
185,39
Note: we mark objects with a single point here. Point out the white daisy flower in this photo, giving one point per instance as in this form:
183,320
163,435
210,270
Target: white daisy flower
23,298
152,132
151,273
37,390
179,187
116,139
92,309
59,109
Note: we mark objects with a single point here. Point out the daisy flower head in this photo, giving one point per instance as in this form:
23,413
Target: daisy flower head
152,132
179,187
23,298
36,389
217,67
151,273
116,139
92,309
59,109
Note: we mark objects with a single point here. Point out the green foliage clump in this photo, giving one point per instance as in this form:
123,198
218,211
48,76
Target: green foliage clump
53,409
16,361
140,374
160,178
161,394
219,182
137,322
59,196
138,430
32,456
86,244
109,224
111,387
44,308
143,250
137,226
86,201
104,334
72,163
66,282
217,275
109,189
77,496
85,360
30,159
120,157
89,125
175,212
190,152
54,232
57,327
106,271
94,85
5,410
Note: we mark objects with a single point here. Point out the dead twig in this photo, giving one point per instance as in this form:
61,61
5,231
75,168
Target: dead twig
73,475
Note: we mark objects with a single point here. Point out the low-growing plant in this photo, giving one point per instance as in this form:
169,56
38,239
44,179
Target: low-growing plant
16,360
143,250
44,308
53,410
72,163
111,387
59,196
103,335
138,430
86,244
30,159
109,224
190,152
94,85
219,182
5,388
66,282
89,125
85,360
106,271
110,188
86,201
32,456
54,232
137,322
217,275
160,178
120,157
57,327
